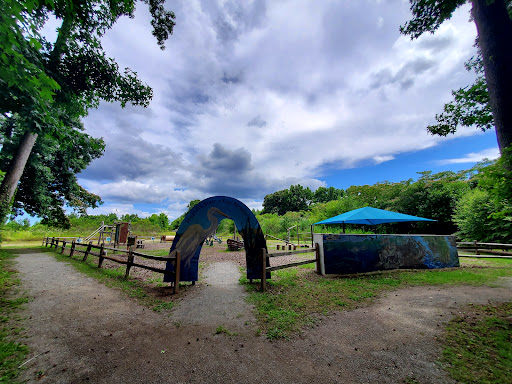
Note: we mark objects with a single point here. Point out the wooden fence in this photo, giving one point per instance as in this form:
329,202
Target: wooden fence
87,249
266,269
489,248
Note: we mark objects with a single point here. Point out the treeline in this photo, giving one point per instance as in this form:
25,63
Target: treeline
474,204
154,224
81,225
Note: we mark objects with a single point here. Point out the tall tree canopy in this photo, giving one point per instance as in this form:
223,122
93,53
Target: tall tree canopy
46,87
494,24
470,105
296,198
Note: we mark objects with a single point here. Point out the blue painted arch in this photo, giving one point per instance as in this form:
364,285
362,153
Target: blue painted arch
202,221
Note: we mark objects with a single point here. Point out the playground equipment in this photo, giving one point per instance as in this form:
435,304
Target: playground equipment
107,233
209,240
235,245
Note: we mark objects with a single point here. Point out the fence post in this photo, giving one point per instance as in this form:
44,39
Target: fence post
63,246
263,269
476,247
101,258
53,241
72,248
129,262
317,255
177,272
87,251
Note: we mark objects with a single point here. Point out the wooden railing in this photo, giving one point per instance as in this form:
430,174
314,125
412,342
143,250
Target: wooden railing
489,248
88,248
265,269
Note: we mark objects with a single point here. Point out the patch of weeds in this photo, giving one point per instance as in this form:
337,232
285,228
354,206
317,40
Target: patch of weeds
157,279
221,329
478,344
12,353
341,303
167,306
40,374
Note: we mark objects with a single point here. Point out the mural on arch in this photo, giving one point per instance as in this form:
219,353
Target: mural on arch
202,221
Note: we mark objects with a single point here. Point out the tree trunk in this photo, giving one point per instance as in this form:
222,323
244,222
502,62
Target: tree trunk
13,175
494,31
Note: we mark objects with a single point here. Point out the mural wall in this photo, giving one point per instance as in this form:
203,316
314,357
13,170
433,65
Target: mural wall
202,222
342,254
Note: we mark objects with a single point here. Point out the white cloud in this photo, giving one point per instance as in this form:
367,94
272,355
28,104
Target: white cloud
473,157
251,97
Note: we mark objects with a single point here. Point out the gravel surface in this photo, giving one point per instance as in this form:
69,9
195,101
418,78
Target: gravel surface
96,334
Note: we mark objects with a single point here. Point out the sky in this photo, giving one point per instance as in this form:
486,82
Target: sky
251,97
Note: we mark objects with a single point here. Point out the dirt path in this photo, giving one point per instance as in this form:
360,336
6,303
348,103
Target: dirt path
221,302
95,334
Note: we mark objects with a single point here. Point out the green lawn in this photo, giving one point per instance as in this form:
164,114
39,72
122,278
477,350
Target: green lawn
478,344
12,353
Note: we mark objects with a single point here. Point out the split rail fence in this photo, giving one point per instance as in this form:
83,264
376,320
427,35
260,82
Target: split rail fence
87,249
488,248
265,269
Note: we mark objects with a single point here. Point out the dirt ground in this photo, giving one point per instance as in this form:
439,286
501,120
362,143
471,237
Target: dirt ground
81,331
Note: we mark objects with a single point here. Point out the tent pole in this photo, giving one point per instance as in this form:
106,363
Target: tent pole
343,227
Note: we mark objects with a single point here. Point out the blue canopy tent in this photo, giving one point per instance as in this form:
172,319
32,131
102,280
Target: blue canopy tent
370,216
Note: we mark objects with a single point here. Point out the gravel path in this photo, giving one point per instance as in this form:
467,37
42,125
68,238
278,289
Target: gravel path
221,302
95,334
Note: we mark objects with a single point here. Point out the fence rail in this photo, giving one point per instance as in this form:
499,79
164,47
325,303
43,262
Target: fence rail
490,248
265,269
86,250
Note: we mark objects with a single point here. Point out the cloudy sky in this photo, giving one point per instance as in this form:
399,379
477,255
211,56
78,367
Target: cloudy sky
253,96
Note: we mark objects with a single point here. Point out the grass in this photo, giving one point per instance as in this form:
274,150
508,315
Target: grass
223,330
478,344
114,278
156,252
12,353
296,297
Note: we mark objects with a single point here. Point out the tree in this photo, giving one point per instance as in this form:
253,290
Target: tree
296,198
323,194
275,202
485,212
45,88
49,179
177,222
433,196
470,105
161,220
494,25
